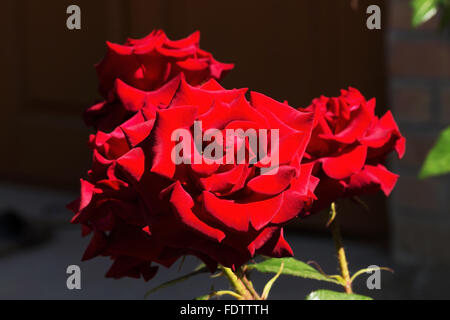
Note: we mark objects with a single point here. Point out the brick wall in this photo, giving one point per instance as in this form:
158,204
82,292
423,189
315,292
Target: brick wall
419,95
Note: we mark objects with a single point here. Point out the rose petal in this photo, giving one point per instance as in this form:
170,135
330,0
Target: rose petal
273,184
238,216
345,164
183,204
166,122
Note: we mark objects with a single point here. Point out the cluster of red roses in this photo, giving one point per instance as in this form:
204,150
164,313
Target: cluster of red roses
143,210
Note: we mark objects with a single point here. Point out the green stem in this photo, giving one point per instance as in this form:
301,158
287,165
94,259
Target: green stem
342,259
226,292
249,285
237,284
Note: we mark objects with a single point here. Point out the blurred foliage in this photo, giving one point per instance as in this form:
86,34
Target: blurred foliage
438,160
424,10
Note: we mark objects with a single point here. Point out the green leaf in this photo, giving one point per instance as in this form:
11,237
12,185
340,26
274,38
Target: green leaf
177,280
423,10
292,267
333,295
438,160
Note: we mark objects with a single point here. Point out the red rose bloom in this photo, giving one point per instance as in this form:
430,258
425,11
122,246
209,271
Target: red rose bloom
154,64
348,146
150,62
143,209
125,101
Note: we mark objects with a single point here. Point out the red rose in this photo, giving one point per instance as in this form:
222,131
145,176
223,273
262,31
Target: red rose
153,63
348,146
125,101
143,208
149,63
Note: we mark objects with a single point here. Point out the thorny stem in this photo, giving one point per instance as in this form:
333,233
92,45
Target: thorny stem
237,284
343,265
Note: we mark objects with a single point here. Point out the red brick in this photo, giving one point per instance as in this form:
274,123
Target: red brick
420,58
418,194
417,148
411,103
423,239
445,105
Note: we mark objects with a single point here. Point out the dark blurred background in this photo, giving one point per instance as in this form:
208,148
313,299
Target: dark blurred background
289,50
